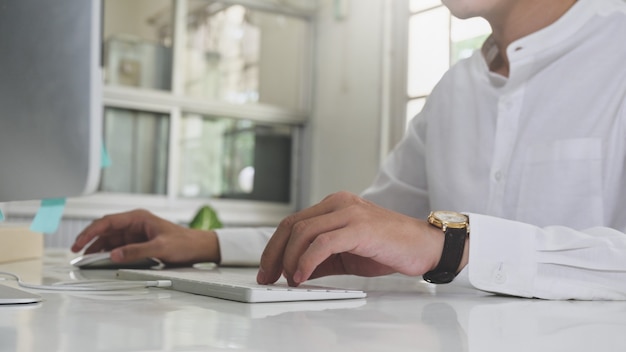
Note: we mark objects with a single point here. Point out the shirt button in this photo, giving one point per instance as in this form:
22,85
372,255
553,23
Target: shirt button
497,176
507,103
500,277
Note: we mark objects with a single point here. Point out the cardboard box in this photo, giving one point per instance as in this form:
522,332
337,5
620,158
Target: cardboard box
18,242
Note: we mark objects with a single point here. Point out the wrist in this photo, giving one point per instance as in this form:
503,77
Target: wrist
206,246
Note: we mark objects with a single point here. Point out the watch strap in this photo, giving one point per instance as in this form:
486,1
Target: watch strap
451,256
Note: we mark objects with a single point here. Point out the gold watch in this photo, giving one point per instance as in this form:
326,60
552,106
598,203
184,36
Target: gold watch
455,227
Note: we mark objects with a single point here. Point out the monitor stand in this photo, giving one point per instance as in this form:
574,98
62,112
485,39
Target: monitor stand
10,295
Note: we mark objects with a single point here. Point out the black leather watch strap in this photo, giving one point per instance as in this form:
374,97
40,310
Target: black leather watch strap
451,256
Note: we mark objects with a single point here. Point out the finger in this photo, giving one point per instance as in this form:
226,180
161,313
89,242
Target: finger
108,241
351,264
98,245
95,229
137,251
106,226
320,250
84,237
304,233
271,265
331,266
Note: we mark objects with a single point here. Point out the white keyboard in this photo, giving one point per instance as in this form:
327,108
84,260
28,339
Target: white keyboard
237,287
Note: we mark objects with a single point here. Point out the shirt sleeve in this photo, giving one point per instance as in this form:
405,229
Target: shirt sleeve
242,246
514,258
400,184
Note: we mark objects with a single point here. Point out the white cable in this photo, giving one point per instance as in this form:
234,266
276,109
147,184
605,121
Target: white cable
91,285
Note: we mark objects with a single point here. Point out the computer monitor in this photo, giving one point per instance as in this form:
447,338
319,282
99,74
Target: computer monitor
50,98
50,103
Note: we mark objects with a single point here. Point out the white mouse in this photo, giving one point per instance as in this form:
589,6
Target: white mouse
102,260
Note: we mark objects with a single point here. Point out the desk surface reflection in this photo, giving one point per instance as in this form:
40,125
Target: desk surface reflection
399,314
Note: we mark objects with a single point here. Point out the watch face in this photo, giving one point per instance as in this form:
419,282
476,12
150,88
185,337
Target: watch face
451,219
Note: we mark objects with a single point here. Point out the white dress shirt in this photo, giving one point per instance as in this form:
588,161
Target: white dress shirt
538,161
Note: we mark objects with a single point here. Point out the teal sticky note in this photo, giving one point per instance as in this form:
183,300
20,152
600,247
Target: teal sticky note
48,216
105,160
1,215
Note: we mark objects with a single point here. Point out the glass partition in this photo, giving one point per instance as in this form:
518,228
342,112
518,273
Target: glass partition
137,143
236,159
231,53
239,55
205,98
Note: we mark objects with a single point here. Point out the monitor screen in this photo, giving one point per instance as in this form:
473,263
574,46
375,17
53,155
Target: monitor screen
50,98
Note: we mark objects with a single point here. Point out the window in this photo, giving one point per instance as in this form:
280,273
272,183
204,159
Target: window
137,50
137,141
204,102
238,55
234,159
436,40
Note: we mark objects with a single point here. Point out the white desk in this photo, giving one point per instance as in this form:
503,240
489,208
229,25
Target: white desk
400,314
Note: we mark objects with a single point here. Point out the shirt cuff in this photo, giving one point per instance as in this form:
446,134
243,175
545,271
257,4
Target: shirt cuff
242,246
502,255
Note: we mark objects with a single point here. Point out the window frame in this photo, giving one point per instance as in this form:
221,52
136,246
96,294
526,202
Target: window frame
398,93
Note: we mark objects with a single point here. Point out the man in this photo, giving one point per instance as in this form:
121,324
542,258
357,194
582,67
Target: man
527,137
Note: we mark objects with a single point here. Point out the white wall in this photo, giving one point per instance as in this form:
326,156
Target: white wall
123,16
344,129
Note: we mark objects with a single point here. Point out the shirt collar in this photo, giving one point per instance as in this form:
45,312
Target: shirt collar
558,32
